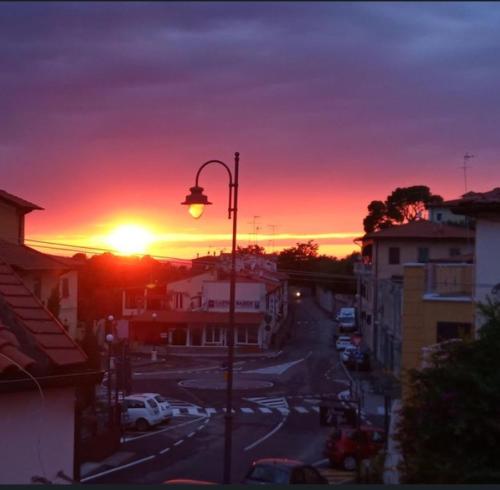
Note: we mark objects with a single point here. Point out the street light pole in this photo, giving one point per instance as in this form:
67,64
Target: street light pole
196,202
109,341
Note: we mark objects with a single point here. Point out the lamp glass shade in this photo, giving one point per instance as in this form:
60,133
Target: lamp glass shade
196,210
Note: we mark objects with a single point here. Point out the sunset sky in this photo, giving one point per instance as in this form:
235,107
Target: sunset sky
108,110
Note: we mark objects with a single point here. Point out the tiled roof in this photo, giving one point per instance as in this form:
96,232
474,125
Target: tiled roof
27,258
421,229
29,332
476,202
218,317
17,201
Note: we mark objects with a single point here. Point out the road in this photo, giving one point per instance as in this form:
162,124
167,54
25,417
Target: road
275,410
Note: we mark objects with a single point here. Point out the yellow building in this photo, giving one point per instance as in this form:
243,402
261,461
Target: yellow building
438,306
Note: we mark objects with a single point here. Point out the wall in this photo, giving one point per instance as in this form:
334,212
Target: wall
11,223
325,299
438,249
250,296
487,257
420,316
190,287
33,431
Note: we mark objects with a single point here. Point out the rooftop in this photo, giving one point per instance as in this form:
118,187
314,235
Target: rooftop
23,257
422,229
17,202
473,203
30,336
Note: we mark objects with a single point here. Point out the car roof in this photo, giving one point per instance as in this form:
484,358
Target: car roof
279,462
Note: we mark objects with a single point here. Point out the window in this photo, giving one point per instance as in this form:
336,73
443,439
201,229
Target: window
65,288
393,255
423,255
439,216
452,330
454,252
212,335
179,300
252,336
37,287
368,319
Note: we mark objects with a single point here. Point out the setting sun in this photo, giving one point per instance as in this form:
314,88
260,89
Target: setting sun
130,239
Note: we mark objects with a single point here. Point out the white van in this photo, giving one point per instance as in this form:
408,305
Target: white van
143,411
347,319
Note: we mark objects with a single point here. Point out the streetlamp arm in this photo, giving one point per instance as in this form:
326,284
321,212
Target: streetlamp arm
233,182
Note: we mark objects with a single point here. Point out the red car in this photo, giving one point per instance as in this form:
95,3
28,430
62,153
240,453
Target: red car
346,446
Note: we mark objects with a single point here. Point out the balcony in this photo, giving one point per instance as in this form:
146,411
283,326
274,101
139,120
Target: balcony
449,281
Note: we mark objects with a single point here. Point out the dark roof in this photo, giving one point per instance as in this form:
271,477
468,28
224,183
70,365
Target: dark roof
219,317
18,202
26,258
422,229
29,334
473,203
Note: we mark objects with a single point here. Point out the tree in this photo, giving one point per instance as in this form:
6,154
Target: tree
301,252
403,205
450,422
253,249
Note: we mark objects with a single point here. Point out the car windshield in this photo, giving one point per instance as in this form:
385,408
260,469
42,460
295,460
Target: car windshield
152,404
160,399
270,474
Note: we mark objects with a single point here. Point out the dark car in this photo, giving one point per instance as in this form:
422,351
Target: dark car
346,446
283,471
358,360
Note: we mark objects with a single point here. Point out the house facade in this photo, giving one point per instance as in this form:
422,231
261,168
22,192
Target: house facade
41,368
196,308
44,274
379,277
438,306
484,208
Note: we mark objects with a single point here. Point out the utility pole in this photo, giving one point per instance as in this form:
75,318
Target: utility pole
465,167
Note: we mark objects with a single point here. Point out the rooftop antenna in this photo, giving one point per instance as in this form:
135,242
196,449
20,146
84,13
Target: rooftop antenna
465,167
255,229
273,232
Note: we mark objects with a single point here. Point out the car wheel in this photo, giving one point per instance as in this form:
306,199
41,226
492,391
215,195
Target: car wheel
349,463
142,425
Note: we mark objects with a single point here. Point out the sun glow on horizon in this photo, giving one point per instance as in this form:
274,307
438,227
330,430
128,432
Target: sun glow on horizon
130,239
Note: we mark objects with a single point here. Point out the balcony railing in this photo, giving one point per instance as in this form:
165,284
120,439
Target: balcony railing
450,280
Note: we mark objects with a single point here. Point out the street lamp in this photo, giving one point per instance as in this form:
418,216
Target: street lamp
197,201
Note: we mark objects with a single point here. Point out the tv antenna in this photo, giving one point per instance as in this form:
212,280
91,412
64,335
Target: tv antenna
465,167
273,233
255,229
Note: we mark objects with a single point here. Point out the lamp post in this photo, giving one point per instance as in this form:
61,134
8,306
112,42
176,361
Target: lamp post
109,340
197,201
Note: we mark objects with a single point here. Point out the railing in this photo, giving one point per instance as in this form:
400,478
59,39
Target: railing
450,279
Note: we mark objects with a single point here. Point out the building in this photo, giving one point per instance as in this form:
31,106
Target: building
438,306
484,207
45,275
194,312
384,254
41,368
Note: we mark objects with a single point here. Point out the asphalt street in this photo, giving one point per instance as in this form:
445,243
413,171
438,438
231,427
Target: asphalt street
275,410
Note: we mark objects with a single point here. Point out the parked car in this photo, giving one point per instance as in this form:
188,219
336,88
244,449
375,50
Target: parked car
345,354
346,446
165,408
358,360
347,319
143,411
282,471
343,341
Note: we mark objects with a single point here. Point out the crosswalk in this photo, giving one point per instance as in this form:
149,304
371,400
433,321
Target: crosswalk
200,411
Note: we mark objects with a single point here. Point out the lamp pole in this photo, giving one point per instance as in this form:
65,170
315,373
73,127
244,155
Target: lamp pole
196,202
109,341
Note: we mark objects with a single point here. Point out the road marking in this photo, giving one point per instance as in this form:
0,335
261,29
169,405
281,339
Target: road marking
210,410
246,410
193,411
175,412
191,434
265,410
172,427
315,408
178,442
118,468
166,450
301,409
262,439
279,368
